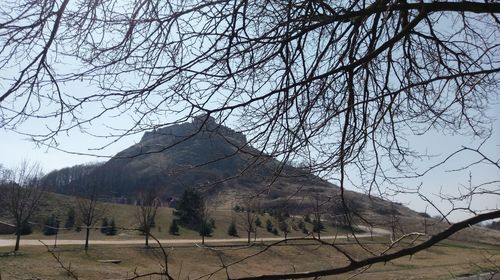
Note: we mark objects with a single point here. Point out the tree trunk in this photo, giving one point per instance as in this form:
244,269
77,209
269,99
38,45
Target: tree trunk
203,240
18,238
87,238
248,236
147,238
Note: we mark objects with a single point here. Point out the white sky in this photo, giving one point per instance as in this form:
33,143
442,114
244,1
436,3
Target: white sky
15,147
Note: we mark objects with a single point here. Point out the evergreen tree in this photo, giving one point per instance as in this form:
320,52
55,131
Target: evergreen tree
269,225
112,230
258,222
231,230
104,225
51,225
212,223
205,230
174,228
70,220
318,226
189,208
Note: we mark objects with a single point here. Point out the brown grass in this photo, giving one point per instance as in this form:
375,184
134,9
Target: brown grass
441,262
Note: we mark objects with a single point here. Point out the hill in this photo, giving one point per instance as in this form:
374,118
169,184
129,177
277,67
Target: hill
219,162
197,154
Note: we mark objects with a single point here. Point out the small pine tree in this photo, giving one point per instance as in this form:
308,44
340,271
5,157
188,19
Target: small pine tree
46,226
174,228
51,225
318,226
231,230
269,225
205,229
104,226
258,222
275,231
212,223
112,230
70,220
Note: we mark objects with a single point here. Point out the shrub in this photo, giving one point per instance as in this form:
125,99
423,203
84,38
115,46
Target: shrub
258,222
104,226
70,220
51,225
318,226
231,230
269,225
174,228
205,229
112,230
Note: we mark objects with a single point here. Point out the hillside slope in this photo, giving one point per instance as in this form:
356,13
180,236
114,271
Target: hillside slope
197,154
219,162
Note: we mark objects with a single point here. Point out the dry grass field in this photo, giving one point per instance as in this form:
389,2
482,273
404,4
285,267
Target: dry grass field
125,217
191,261
445,261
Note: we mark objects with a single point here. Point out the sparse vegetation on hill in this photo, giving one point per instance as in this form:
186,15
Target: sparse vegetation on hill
209,157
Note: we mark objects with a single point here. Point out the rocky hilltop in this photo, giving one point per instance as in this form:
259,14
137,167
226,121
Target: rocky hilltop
202,126
201,153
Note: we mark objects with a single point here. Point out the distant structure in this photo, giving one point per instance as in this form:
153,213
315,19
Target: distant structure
119,200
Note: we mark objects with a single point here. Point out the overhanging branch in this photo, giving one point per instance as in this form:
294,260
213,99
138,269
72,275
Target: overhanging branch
384,258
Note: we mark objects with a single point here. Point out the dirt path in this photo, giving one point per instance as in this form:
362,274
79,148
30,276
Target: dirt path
36,242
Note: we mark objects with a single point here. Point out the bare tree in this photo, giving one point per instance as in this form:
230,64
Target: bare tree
148,202
318,208
88,208
284,227
21,194
248,215
205,228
